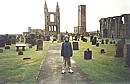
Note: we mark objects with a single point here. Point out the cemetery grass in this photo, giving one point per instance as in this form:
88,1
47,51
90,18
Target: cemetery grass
103,68
13,69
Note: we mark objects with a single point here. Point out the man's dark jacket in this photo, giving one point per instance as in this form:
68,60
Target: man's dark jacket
66,50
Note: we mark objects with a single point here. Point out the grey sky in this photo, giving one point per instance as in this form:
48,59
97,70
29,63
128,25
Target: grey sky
17,15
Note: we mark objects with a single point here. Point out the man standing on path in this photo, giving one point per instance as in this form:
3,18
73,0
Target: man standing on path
66,52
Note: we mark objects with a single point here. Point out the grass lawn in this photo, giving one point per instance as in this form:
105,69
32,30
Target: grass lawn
103,68
15,70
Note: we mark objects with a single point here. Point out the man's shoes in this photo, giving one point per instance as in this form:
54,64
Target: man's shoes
63,71
71,71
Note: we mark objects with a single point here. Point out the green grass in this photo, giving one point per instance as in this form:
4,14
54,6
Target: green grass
103,68
13,69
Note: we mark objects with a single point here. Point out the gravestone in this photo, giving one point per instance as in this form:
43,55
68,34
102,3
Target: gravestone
32,42
22,39
39,45
2,43
84,40
93,42
30,45
128,56
102,51
1,50
20,52
107,41
87,54
97,44
75,46
102,42
95,38
13,41
120,49
110,42
82,37
27,58
91,38
27,40
75,37
8,42
114,42
7,47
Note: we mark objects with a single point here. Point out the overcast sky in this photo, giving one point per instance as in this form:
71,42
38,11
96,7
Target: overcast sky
17,15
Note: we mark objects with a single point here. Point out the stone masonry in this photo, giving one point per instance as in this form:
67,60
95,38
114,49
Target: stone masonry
117,26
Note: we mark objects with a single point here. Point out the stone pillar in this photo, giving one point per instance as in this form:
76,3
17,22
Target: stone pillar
118,25
59,38
128,56
120,48
127,25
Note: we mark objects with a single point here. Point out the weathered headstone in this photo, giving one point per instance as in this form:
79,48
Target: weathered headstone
7,47
120,49
39,45
102,42
32,42
91,38
1,50
107,41
87,54
110,42
27,58
8,42
82,37
75,37
97,44
95,38
22,39
102,51
84,40
114,42
75,46
20,52
30,45
93,42
2,43
13,41
128,56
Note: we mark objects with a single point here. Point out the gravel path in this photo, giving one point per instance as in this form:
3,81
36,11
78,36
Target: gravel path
50,72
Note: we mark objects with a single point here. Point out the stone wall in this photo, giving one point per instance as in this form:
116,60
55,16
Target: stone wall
117,27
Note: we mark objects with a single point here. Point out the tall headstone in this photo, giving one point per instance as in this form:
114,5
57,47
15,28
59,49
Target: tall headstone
120,49
22,39
93,42
91,38
75,46
128,56
82,37
2,43
87,54
102,42
39,44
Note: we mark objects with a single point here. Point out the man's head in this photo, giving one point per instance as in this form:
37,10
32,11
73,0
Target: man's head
66,38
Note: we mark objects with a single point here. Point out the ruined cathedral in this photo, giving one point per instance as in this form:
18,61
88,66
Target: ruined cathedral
117,27
52,27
